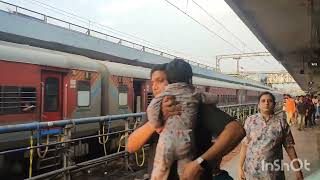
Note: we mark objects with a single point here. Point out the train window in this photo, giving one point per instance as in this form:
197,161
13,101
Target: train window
123,95
83,88
28,97
10,103
15,100
51,93
150,97
123,98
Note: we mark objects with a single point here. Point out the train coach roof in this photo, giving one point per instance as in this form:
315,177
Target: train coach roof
219,76
127,70
219,79
144,73
28,54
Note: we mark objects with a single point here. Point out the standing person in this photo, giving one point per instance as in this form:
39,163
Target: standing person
301,112
146,133
266,133
310,111
229,133
284,102
176,136
318,109
290,109
296,99
315,103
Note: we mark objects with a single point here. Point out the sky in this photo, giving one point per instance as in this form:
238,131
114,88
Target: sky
158,24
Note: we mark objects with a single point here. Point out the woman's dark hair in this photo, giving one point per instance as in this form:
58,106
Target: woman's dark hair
270,94
158,67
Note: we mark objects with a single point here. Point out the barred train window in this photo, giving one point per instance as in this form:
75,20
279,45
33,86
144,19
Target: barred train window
149,97
83,88
15,99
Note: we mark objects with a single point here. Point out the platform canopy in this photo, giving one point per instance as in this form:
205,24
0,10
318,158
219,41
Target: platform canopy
290,30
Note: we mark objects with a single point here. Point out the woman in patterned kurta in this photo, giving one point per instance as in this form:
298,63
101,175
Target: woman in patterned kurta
266,134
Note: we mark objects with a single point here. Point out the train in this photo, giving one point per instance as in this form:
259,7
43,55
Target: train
39,84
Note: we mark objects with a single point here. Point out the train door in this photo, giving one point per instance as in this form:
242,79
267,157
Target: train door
138,96
51,96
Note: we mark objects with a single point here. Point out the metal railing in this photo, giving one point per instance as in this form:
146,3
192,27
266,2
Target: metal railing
242,111
68,125
62,123
92,32
239,111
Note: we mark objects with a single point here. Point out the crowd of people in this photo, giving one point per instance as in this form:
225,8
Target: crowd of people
189,135
302,111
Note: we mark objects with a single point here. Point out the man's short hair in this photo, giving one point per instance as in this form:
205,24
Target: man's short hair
158,67
179,70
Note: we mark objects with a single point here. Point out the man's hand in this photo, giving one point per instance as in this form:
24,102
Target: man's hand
170,107
191,171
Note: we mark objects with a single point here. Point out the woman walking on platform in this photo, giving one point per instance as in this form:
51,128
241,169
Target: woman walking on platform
266,133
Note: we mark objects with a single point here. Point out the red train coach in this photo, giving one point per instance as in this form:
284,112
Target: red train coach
44,85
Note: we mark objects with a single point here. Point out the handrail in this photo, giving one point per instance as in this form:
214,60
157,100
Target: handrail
88,30
243,111
237,105
61,123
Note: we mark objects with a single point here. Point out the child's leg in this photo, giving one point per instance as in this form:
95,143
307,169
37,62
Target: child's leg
183,150
161,169
181,164
163,159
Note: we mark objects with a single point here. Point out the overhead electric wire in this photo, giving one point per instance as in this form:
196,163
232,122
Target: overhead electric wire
208,29
86,20
217,21
154,45
204,26
89,21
